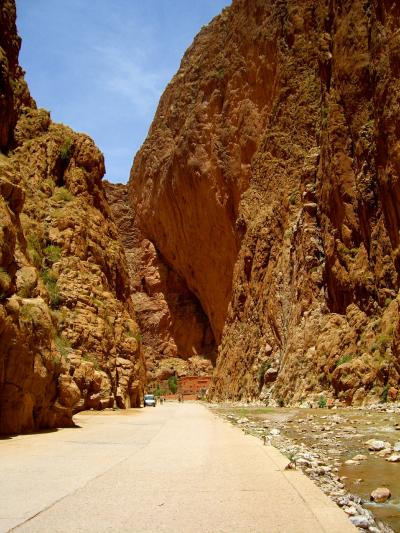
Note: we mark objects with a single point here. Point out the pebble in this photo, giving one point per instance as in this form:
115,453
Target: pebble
360,457
396,447
275,432
351,462
243,420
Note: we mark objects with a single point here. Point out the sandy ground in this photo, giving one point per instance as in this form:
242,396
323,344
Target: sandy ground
174,468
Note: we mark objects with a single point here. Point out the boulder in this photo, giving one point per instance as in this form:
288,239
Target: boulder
69,393
375,445
380,495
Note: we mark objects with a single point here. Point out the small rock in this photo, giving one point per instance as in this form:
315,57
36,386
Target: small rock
351,511
394,458
380,495
270,375
351,462
396,447
375,445
392,393
361,521
243,420
384,453
275,432
360,457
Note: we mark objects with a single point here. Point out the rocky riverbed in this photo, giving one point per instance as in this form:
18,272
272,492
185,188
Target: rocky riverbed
349,453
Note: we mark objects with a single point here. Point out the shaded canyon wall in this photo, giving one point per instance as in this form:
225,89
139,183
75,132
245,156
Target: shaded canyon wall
176,334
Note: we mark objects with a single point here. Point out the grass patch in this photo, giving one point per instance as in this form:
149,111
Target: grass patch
50,280
66,150
382,342
159,392
133,335
30,313
5,280
261,372
62,194
344,359
246,411
63,345
52,253
58,317
294,197
91,359
34,248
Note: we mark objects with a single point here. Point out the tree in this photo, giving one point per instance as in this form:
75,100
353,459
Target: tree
173,384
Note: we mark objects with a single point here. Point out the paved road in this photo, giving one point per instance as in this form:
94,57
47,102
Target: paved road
174,468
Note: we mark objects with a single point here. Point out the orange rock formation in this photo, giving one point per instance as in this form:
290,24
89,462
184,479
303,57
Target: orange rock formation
269,183
68,336
173,325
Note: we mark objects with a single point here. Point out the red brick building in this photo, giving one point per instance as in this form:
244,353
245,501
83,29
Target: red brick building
193,385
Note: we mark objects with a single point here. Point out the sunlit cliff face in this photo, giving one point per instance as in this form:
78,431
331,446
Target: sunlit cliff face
268,183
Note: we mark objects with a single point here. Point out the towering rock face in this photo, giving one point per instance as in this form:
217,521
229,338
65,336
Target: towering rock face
68,337
173,325
269,182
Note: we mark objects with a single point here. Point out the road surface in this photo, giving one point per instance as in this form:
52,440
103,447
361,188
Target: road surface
174,468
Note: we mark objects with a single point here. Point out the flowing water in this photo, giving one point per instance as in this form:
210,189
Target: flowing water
340,435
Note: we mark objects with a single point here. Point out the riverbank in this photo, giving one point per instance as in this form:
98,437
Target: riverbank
330,447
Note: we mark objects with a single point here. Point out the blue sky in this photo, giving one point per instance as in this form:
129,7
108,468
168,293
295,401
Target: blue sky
100,66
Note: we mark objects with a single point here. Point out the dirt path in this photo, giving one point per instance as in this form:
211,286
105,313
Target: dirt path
176,468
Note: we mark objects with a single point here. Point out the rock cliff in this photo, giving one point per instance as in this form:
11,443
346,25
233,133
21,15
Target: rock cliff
68,335
173,325
269,183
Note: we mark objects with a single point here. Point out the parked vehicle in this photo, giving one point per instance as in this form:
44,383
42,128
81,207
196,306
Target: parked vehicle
149,400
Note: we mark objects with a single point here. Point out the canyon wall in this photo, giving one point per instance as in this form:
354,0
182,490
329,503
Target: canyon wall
176,334
68,335
269,183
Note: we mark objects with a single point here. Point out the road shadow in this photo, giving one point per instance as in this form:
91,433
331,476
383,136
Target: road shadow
44,431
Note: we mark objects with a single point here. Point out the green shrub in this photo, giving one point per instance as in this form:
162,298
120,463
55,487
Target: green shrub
173,384
63,346
66,150
30,313
294,197
62,194
58,317
344,359
384,394
91,359
52,253
50,280
322,403
5,279
34,248
159,391
261,372
131,334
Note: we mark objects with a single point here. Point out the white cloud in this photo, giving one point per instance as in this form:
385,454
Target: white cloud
124,74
